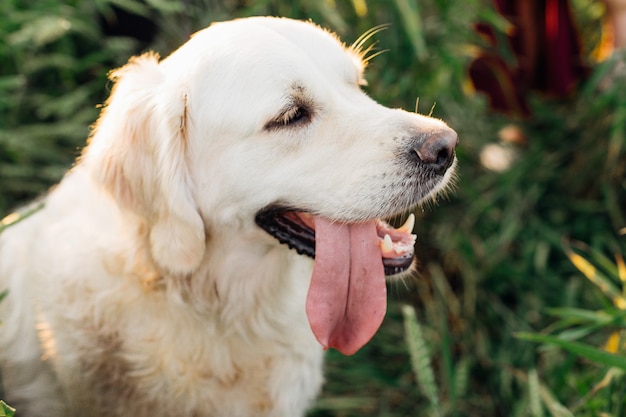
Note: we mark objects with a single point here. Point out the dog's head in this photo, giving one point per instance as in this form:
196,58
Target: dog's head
262,123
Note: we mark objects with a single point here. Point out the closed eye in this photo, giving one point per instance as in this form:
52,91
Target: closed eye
294,115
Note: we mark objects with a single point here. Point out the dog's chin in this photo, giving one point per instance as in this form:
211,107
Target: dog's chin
296,229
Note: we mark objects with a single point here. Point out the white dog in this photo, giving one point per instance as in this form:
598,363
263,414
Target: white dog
158,279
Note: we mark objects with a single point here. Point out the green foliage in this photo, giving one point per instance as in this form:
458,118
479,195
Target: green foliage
43,91
502,251
586,351
576,324
54,61
6,410
421,360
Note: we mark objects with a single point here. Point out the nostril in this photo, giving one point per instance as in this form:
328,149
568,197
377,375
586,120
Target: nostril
443,157
432,156
437,150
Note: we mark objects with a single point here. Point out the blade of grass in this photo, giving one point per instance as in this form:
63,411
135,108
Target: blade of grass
412,22
598,258
578,315
360,7
17,217
536,387
592,273
448,305
5,410
461,379
534,394
555,408
588,352
605,382
420,359
621,268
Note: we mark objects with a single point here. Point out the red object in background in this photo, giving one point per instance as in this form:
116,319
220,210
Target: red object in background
545,43
491,75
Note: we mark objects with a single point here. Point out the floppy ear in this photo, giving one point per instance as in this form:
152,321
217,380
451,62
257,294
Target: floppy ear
138,153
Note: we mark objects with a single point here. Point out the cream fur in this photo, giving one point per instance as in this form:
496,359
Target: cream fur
144,287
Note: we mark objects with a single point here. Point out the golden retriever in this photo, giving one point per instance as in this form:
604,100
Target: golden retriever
219,232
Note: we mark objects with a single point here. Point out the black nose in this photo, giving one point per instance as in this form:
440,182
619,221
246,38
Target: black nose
436,149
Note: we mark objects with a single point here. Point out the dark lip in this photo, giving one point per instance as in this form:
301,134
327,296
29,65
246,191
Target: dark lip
287,231
301,238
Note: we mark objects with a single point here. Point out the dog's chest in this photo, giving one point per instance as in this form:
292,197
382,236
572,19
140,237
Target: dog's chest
172,377
141,356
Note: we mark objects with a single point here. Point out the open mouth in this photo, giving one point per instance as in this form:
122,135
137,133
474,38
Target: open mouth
296,229
347,297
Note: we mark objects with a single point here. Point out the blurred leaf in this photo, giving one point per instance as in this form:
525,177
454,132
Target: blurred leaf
360,7
612,374
167,6
461,379
41,31
594,275
409,12
588,352
66,106
344,403
577,315
492,17
621,268
15,218
552,404
534,394
6,410
613,343
52,61
132,6
11,82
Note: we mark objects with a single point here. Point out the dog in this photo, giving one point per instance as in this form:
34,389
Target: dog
219,232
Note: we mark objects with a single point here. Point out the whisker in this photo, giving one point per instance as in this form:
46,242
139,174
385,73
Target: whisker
359,45
370,57
432,109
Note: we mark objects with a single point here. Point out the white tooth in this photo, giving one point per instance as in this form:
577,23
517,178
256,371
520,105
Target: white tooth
408,225
386,245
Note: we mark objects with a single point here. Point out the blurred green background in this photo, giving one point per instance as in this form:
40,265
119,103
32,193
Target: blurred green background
518,308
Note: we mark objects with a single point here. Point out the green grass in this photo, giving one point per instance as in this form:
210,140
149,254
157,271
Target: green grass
6,410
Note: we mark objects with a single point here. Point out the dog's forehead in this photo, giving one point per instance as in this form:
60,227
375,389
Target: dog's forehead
319,43
266,44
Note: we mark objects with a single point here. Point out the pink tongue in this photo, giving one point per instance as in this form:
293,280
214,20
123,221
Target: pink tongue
347,298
